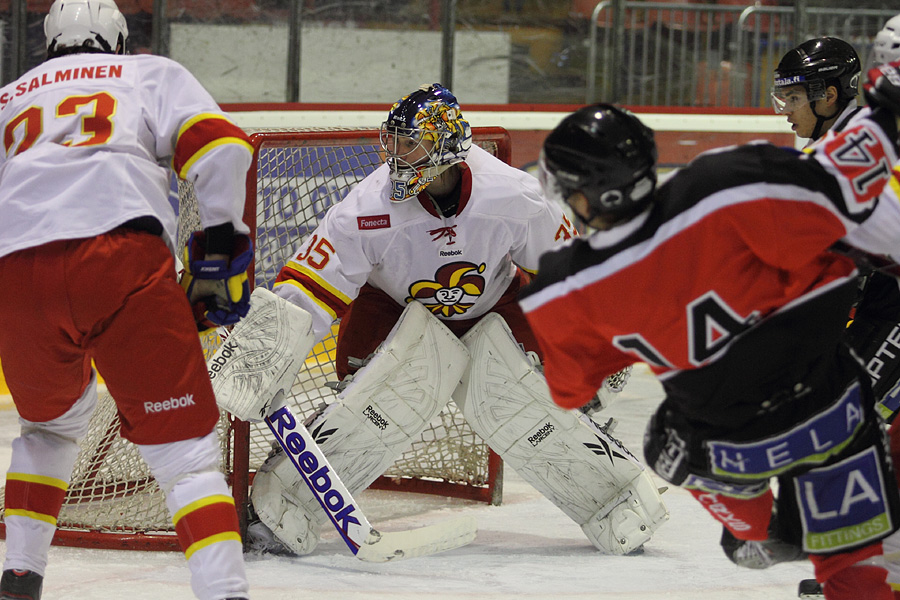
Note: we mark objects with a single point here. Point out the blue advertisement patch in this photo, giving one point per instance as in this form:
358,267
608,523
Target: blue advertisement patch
813,441
843,505
792,80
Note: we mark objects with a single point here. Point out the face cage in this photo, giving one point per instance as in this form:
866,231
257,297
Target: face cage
553,189
410,177
791,98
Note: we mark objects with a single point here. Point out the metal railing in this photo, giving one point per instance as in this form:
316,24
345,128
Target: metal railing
636,52
660,53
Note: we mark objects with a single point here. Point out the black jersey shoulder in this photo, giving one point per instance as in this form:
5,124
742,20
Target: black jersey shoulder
716,172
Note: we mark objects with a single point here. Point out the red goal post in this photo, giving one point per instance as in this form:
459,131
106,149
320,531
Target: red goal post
295,177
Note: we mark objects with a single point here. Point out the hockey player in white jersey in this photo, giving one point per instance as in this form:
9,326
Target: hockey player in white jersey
446,226
87,272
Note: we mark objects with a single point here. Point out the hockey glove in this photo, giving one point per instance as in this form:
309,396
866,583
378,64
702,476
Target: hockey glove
217,286
882,87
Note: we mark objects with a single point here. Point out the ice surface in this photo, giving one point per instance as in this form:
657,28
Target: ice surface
525,549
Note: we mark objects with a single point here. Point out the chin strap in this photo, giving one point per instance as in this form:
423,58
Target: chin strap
820,120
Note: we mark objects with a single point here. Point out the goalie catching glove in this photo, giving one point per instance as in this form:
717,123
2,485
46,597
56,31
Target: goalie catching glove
216,283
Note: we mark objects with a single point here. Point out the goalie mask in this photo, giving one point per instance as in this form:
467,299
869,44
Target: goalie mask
423,136
607,154
85,26
887,42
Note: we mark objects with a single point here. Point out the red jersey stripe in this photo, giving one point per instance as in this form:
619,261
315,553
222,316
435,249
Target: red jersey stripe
322,296
200,135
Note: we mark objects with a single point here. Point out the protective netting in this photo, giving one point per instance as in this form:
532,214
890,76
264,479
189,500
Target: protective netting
300,175
111,489
296,185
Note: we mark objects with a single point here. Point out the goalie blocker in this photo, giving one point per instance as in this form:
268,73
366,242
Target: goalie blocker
255,367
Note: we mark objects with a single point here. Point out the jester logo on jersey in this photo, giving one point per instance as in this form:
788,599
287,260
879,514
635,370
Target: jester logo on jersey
452,292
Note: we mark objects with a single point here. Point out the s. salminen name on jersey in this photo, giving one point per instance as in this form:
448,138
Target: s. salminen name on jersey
60,76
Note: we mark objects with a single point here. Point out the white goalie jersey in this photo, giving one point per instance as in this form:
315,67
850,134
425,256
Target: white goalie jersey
457,266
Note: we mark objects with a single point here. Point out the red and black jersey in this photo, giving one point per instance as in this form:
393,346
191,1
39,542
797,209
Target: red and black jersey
735,238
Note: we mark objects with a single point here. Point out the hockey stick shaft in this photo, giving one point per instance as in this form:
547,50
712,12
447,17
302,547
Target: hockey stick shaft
364,541
867,261
326,486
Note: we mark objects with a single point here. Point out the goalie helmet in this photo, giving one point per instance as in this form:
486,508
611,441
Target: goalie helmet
817,63
607,154
425,133
84,26
887,42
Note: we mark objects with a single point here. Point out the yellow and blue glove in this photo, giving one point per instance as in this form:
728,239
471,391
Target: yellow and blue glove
217,284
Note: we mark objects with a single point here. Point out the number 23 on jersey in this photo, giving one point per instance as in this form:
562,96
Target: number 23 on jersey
80,120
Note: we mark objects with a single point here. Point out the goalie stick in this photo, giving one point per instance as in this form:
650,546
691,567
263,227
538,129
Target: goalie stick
366,542
251,375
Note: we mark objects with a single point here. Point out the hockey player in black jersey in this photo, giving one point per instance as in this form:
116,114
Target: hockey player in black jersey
725,283
828,68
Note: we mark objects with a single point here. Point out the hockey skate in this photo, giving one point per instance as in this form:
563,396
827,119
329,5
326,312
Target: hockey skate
261,540
810,588
20,585
759,554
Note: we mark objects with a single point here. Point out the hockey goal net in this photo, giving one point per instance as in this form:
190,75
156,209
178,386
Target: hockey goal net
297,175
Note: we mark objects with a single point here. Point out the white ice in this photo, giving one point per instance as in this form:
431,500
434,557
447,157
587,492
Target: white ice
526,549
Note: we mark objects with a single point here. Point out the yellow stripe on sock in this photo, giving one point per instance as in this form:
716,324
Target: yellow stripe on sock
209,541
30,514
41,479
189,508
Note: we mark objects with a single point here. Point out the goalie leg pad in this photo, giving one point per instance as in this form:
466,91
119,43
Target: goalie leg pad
388,403
261,357
286,507
577,465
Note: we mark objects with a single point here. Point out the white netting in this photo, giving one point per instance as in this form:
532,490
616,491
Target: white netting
111,489
296,185
298,179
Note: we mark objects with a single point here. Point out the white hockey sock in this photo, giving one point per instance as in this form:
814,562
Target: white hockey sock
203,512
43,457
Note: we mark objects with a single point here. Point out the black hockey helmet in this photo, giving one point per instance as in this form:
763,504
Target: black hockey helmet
607,154
817,63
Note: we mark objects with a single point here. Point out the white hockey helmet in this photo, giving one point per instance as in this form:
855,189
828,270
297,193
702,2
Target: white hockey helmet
887,42
94,25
